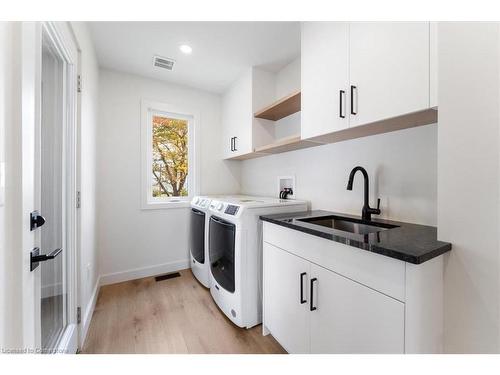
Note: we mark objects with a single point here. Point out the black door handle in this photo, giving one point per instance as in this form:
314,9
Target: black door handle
36,258
36,220
302,299
311,297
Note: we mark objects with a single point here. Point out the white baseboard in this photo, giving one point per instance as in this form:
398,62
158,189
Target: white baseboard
137,273
87,316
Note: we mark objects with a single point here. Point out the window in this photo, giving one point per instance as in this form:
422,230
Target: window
169,151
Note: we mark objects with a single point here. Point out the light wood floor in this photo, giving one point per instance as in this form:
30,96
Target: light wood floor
170,316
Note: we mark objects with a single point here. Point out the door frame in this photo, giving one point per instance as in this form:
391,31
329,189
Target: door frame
60,35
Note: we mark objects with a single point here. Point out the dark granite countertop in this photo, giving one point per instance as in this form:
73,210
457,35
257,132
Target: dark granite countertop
411,243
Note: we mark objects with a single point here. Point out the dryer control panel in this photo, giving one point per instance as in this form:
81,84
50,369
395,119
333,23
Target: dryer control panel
231,209
225,208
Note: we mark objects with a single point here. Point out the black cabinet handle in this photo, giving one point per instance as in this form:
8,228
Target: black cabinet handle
341,104
311,297
36,258
302,299
235,149
354,88
232,147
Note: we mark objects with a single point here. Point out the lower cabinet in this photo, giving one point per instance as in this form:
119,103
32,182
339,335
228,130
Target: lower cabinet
352,318
310,309
286,295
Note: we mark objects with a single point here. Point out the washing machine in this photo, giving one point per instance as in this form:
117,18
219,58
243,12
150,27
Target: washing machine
198,239
235,253
198,235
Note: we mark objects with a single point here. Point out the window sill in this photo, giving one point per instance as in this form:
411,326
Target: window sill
185,203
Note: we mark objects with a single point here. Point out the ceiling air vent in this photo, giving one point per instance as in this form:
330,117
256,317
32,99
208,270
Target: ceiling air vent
163,62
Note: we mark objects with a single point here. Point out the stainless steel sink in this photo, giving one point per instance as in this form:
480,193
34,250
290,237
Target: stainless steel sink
347,224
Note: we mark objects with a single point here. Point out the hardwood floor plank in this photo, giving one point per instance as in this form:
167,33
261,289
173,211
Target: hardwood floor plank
172,316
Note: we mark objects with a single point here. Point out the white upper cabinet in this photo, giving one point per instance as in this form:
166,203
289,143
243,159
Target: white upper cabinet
324,78
351,74
389,70
241,131
237,117
359,73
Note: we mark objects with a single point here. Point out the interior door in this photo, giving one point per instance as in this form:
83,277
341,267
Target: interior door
286,298
325,77
389,69
349,317
53,256
52,234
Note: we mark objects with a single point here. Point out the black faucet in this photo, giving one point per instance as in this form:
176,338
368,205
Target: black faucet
367,212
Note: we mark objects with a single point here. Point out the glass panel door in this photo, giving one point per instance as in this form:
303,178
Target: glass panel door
52,234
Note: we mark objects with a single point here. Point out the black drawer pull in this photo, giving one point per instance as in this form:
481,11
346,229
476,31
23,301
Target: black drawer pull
341,104
353,112
302,299
311,297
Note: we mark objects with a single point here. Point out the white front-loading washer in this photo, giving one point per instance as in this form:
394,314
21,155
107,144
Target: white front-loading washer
198,239
235,254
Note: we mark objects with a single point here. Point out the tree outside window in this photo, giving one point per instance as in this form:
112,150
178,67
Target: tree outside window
170,157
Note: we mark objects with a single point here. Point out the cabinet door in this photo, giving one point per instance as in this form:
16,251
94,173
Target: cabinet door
352,318
324,74
389,69
284,315
237,117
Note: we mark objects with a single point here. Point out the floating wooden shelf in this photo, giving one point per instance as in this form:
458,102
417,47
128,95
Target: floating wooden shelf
282,108
410,120
285,144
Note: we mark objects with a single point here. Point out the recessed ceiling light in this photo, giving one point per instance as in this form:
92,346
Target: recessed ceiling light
185,49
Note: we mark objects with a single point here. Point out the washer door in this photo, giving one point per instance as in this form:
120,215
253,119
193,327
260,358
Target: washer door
221,250
197,235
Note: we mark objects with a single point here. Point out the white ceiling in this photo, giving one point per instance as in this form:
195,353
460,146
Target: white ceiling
221,50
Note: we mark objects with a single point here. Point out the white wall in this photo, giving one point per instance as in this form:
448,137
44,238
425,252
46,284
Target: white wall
147,241
468,184
288,79
402,167
89,102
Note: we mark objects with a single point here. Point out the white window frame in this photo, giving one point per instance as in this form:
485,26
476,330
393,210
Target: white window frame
148,109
